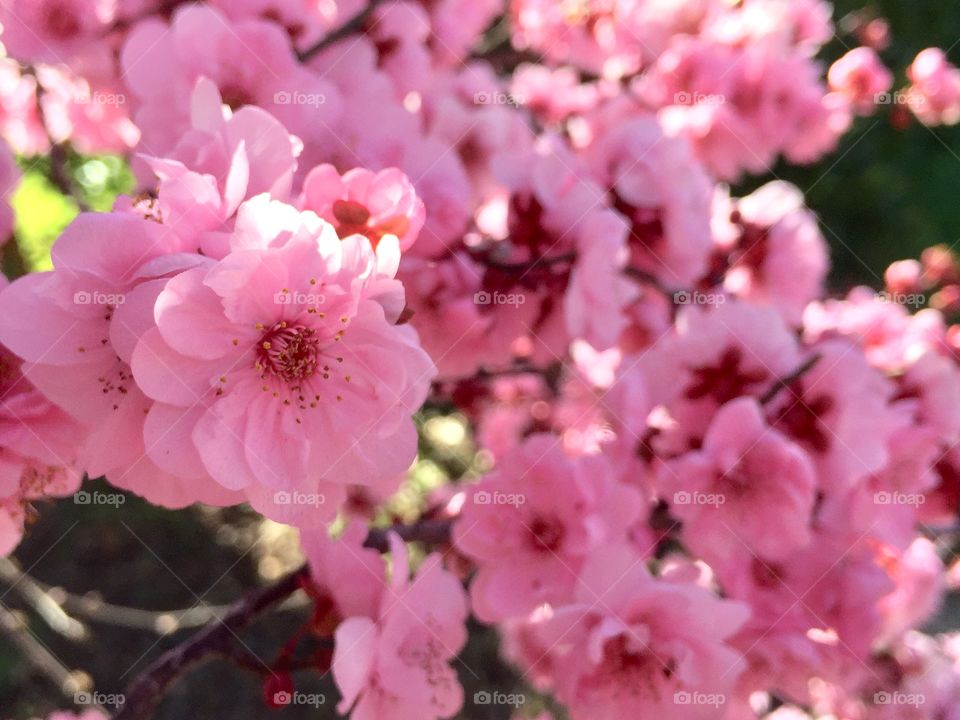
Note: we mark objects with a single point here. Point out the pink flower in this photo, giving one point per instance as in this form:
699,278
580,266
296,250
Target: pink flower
860,76
838,413
393,648
286,359
224,159
711,357
53,30
776,252
663,194
108,271
250,61
934,93
365,203
632,644
38,458
746,480
919,576
530,524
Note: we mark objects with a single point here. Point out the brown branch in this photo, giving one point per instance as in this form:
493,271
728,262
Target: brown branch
790,379
217,639
145,692
350,27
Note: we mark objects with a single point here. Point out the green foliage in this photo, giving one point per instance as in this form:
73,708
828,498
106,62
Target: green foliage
44,210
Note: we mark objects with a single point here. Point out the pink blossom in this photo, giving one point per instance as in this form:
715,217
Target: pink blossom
663,193
777,254
53,30
39,455
530,524
630,641
934,93
250,61
365,203
221,161
861,77
745,480
713,356
108,271
394,647
273,351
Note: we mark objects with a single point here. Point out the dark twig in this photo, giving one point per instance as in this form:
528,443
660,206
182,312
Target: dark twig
145,692
790,379
350,27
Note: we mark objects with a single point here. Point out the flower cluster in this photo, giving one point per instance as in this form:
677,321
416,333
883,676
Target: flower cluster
705,479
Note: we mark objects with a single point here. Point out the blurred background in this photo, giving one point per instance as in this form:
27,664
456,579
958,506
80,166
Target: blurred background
135,580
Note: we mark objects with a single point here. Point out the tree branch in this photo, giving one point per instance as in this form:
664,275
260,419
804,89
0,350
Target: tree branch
351,26
217,639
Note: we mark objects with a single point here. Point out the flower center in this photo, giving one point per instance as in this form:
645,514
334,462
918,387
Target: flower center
288,352
61,22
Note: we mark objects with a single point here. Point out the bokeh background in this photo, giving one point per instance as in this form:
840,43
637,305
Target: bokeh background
135,578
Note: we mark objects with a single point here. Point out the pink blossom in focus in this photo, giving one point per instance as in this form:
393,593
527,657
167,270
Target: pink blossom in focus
365,203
